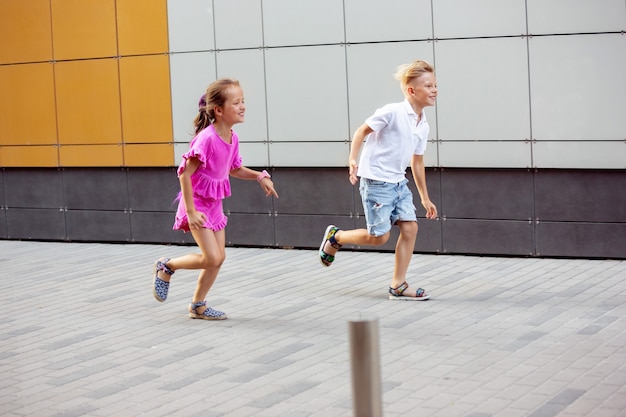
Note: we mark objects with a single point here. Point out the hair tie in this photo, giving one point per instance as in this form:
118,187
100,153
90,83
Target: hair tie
202,103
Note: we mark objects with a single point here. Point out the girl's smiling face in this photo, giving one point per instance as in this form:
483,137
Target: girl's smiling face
234,108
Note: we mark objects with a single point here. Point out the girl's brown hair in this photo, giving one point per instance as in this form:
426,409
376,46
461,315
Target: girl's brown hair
214,96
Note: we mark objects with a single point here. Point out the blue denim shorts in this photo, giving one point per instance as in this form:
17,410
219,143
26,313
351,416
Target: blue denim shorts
385,203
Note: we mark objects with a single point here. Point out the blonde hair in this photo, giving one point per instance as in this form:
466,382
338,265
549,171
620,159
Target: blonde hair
408,72
215,96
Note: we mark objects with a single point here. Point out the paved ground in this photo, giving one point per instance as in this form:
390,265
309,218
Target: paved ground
506,337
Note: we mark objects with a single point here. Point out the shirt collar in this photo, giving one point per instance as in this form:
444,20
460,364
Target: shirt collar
410,111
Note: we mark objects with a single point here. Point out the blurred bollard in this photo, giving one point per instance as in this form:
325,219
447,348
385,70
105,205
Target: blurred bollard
365,362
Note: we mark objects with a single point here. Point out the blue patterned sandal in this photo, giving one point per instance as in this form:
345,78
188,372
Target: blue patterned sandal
397,293
207,314
329,236
161,287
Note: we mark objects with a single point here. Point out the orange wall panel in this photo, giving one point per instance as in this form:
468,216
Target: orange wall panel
27,108
91,156
83,29
146,100
149,155
88,102
142,26
25,31
29,156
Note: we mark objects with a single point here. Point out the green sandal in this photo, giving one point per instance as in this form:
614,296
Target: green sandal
329,236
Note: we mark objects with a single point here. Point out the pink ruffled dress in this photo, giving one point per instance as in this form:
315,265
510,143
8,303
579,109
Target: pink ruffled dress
211,181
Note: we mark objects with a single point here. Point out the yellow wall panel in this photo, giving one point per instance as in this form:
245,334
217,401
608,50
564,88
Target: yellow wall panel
88,102
146,100
149,155
142,26
91,156
27,109
25,31
29,156
83,29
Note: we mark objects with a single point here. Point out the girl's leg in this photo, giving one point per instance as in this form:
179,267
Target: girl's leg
404,252
190,261
212,244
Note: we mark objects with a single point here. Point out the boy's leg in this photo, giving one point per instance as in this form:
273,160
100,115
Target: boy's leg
404,252
335,238
377,198
407,222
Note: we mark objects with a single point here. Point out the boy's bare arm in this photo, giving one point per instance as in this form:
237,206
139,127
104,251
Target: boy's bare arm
355,148
419,176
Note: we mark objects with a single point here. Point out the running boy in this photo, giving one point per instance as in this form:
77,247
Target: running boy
396,136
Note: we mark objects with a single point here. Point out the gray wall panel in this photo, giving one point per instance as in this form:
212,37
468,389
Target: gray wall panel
2,196
3,223
33,188
429,236
585,210
248,196
152,189
307,231
581,240
95,189
487,194
577,195
315,191
98,226
250,230
36,224
489,237
156,227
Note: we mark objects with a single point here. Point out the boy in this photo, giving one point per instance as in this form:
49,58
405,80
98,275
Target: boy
398,134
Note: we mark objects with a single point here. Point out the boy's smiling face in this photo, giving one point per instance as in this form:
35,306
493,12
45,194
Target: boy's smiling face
422,91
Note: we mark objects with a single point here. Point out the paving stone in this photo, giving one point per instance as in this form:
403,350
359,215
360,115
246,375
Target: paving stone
506,337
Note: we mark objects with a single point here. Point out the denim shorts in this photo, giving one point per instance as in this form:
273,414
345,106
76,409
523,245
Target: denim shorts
385,203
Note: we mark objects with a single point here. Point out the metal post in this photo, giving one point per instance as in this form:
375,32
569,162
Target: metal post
365,361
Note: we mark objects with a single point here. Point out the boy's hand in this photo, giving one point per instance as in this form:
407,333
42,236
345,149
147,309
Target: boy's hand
353,170
431,210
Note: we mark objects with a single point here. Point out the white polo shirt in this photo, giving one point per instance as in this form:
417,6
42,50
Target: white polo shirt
397,136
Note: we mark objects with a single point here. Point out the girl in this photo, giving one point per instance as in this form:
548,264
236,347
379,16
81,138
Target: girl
204,182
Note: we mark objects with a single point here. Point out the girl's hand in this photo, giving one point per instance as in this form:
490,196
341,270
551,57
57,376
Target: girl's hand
268,187
196,220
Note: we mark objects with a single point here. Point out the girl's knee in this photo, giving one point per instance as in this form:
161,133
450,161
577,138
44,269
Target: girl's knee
213,260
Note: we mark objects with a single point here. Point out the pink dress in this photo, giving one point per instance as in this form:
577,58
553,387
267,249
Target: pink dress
211,181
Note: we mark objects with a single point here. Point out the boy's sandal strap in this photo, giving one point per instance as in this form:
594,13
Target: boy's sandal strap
400,289
326,257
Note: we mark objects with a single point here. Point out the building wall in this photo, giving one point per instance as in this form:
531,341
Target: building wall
527,151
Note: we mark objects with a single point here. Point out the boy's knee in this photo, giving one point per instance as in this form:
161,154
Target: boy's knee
379,240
